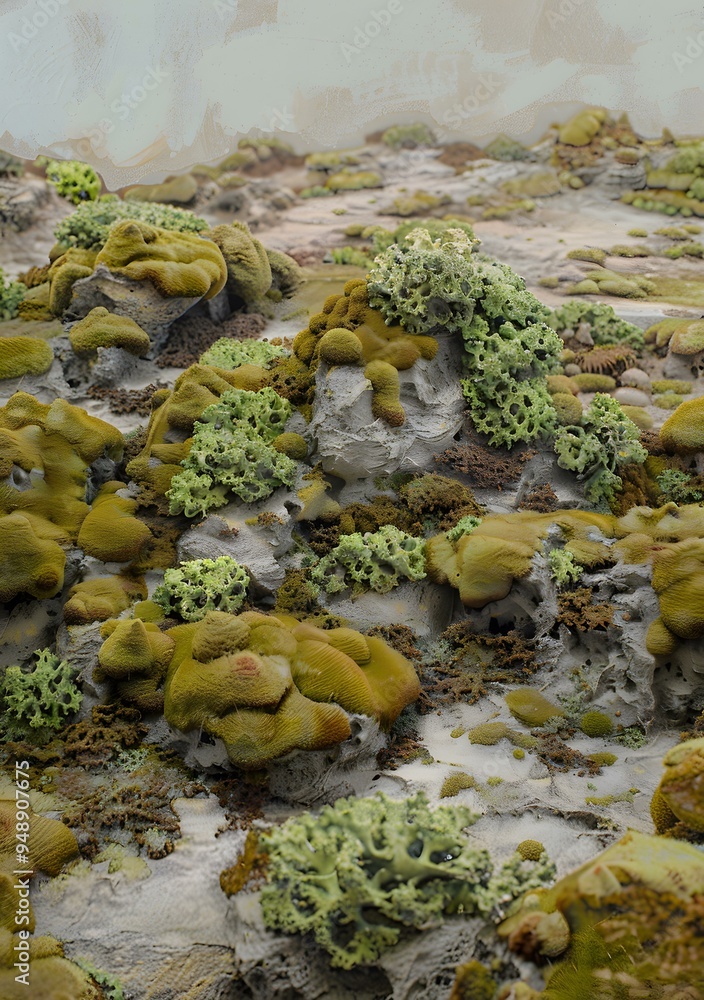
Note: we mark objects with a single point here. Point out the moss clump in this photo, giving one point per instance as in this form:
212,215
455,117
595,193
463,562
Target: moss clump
101,328
455,783
596,724
530,707
73,180
592,254
603,759
660,385
473,981
408,136
519,753
24,356
530,850
592,382
488,734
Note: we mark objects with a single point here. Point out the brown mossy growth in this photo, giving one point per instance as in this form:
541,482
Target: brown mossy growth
473,660
96,741
473,981
443,500
578,613
122,401
295,381
173,416
136,803
177,264
400,637
35,276
249,870
541,499
487,468
242,795
161,551
136,656
248,268
267,685
386,389
101,328
611,361
530,850
638,489
293,445
296,596
110,531
679,798
552,751
323,537
455,783
64,272
101,598
190,336
24,356
530,707
34,307
371,516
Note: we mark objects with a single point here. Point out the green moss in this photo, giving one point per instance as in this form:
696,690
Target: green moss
660,385
228,353
627,250
596,724
530,707
593,382
349,179
519,754
473,981
639,232
530,850
494,781
667,400
408,136
603,759
101,328
592,254
24,356
455,783
488,734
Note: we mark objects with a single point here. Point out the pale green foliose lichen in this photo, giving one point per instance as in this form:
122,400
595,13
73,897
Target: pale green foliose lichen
604,440
604,325
202,585
228,353
88,227
231,453
378,560
42,698
563,567
361,872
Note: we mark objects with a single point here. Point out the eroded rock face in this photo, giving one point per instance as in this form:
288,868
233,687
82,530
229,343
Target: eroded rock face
351,444
138,300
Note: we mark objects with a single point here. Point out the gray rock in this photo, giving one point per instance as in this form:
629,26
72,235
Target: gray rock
21,198
637,378
631,397
138,300
352,444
